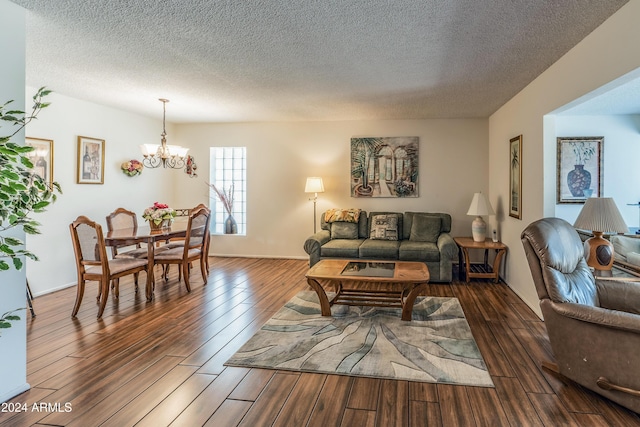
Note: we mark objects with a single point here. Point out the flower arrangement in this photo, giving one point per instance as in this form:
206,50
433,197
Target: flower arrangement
158,212
132,168
225,197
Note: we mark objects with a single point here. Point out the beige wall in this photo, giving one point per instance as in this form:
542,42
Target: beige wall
606,54
122,132
453,165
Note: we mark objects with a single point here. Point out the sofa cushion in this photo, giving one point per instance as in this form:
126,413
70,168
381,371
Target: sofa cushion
445,226
384,227
622,245
411,250
341,248
425,228
376,249
633,258
344,230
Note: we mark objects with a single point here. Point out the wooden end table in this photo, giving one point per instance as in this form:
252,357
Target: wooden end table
407,278
479,271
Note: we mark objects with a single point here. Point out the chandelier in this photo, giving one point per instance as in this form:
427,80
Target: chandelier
168,156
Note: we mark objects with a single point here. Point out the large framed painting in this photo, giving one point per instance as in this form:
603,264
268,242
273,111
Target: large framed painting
579,168
90,160
515,177
41,157
384,167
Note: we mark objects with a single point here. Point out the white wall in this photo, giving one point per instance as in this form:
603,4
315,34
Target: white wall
621,152
13,341
63,122
607,53
453,165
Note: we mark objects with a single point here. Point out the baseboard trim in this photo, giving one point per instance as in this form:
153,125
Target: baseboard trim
13,393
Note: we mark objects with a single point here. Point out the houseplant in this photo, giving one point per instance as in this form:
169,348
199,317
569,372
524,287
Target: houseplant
159,215
23,192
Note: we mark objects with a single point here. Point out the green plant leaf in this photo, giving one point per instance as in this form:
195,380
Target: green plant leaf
17,263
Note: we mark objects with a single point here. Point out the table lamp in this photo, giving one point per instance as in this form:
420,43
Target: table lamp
314,185
600,215
479,206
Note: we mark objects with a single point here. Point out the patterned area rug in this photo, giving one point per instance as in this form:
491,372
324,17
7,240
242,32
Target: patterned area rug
436,346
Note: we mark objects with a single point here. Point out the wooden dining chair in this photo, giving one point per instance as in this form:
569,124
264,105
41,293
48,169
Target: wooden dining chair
92,263
117,220
179,242
193,249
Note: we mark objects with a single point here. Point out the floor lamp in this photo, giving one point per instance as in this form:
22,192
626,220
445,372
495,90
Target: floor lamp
314,185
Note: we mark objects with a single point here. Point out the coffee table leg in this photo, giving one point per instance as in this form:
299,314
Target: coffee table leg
407,305
325,307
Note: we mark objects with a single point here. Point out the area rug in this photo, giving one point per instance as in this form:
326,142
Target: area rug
436,346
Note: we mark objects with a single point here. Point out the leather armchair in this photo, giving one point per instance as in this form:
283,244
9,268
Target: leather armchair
593,324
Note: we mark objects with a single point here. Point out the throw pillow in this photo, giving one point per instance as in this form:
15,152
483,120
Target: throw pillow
425,228
384,227
344,230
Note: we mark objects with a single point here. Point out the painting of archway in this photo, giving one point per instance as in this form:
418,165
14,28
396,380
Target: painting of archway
384,167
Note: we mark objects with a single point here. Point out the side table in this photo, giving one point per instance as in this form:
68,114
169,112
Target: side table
479,271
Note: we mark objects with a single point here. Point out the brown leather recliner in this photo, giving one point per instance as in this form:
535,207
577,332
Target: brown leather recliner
593,324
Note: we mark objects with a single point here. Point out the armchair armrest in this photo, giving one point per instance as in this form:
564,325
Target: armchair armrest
313,244
621,295
598,316
447,246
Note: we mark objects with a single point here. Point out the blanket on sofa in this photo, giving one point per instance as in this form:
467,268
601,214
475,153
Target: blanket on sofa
344,215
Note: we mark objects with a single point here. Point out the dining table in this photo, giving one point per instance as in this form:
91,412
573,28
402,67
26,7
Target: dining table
145,234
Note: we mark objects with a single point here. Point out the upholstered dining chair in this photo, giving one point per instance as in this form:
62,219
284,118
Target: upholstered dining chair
119,219
193,249
593,323
179,242
92,263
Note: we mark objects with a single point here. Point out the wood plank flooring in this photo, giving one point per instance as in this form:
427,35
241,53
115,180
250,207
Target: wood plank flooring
161,363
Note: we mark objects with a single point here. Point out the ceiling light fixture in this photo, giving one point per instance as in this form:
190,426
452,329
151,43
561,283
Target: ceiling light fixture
168,156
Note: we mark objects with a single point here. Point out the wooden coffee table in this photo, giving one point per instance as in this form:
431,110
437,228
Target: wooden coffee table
407,280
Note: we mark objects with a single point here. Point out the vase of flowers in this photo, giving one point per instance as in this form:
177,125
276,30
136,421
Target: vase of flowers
226,198
132,168
159,216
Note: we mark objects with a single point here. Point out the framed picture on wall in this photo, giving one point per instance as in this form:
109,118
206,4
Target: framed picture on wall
579,168
515,177
384,167
90,160
41,157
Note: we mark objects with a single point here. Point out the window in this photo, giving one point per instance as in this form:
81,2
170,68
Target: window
229,170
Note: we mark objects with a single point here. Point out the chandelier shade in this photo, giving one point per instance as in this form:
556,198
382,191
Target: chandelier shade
167,156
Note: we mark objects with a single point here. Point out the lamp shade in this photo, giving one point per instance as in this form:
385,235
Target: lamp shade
601,214
314,185
480,205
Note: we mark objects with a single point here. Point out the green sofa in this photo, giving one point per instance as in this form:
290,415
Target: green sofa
409,236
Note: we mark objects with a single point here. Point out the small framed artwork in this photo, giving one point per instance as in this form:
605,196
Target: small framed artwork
579,168
90,160
41,157
515,177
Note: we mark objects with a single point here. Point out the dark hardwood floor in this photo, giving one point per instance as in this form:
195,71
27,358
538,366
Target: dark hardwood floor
161,363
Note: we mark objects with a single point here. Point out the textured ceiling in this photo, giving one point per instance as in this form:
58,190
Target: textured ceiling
293,60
